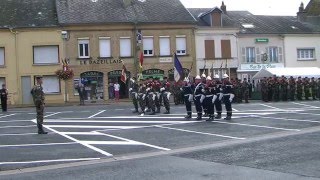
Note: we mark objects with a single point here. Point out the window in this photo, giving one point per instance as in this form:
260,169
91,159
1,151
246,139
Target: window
164,46
125,47
273,54
226,49
105,47
209,49
148,46
83,48
46,54
305,54
2,56
181,45
2,81
51,85
250,55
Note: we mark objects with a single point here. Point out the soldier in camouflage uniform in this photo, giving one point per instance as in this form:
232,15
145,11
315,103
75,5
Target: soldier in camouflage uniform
299,89
245,90
318,86
264,89
134,87
284,88
292,88
313,85
276,89
270,88
38,99
306,86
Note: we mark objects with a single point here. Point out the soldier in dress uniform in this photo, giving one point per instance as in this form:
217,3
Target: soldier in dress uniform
4,98
142,94
299,88
245,90
157,87
284,88
313,85
198,93
165,94
38,99
151,98
306,88
219,94
187,90
210,98
134,87
204,107
292,88
228,95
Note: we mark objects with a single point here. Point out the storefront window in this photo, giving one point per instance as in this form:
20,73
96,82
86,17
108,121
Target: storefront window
93,85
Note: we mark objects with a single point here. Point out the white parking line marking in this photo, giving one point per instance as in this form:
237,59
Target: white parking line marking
5,127
196,132
92,127
7,115
252,125
270,106
235,110
285,119
111,143
14,121
96,114
305,105
47,161
102,121
80,133
29,145
24,134
141,143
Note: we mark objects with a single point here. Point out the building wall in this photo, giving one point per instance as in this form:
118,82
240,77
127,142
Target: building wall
115,62
19,59
202,34
294,42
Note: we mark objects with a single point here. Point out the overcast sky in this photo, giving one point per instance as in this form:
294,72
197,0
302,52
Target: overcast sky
258,7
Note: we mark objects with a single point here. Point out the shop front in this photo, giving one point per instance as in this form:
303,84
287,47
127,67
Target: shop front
115,76
93,85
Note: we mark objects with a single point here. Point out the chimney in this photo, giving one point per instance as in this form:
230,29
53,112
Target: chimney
223,8
127,3
301,15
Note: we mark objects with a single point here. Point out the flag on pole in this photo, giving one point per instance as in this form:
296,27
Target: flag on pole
140,66
124,74
178,70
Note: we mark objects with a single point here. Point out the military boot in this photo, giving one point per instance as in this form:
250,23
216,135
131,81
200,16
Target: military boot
188,116
167,112
199,117
40,130
218,116
211,118
158,110
227,118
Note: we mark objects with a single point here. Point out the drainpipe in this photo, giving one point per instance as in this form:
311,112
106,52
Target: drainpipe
15,33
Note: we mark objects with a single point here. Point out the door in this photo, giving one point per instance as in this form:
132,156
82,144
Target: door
26,88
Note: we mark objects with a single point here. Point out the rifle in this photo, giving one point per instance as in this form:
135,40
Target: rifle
190,70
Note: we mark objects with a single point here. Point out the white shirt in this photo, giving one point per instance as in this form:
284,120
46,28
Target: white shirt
117,87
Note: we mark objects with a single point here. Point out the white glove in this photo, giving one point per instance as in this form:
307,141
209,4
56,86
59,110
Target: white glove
214,98
136,95
202,98
148,89
168,95
158,95
162,89
130,89
203,90
181,89
153,97
144,97
190,98
231,97
220,96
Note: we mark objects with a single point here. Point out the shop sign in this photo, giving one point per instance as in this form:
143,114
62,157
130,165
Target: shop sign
258,67
117,73
262,40
152,72
100,61
92,74
165,60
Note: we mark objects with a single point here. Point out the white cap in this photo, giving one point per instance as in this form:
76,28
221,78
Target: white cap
203,75
186,79
225,76
216,76
198,77
209,78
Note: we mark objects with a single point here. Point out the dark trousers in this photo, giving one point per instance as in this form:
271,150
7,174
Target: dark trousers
228,105
209,105
270,94
4,104
292,93
142,102
165,99
134,96
218,106
39,109
188,105
205,106
151,102
157,101
198,105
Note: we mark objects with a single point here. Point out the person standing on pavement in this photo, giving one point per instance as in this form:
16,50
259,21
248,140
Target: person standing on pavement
228,95
245,88
292,88
81,92
313,85
117,91
38,99
306,88
4,98
299,88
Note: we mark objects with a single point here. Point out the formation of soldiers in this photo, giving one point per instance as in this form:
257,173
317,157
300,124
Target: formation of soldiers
149,94
282,88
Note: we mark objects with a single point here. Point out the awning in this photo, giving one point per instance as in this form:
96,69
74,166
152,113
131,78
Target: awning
287,72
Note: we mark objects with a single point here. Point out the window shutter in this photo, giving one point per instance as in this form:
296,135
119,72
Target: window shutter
225,49
164,46
51,84
268,54
209,49
105,48
125,47
280,55
258,55
243,55
181,45
1,56
46,54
